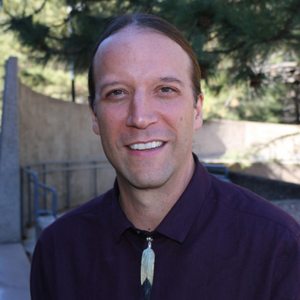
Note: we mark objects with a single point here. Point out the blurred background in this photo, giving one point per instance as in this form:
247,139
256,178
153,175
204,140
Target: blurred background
50,160
248,50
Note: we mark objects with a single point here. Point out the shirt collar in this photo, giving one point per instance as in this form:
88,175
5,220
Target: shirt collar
178,222
120,221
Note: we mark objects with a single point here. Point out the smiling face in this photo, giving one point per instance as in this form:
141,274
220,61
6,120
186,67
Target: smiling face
144,108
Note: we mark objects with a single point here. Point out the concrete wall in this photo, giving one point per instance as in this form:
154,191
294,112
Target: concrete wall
261,149
54,130
9,159
225,138
57,130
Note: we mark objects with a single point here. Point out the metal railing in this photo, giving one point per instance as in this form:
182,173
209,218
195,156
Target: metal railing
34,185
32,180
219,171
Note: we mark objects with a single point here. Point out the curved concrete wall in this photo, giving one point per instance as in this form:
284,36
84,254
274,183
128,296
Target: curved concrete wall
261,149
54,130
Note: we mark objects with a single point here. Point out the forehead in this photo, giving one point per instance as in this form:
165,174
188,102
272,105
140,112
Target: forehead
134,48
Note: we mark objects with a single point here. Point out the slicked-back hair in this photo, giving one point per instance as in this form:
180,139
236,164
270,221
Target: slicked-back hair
155,24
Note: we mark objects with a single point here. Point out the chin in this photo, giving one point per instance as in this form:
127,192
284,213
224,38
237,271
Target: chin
147,185
146,181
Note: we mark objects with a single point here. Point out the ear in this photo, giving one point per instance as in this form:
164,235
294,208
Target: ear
95,123
198,118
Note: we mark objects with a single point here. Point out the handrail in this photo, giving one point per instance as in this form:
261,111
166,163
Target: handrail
74,168
70,161
36,194
36,189
54,202
68,167
219,171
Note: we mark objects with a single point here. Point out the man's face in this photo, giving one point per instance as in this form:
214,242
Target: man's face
144,107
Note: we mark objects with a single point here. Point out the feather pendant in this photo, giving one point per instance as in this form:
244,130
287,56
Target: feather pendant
147,269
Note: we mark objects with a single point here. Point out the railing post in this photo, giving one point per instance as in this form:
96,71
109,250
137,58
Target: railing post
40,174
29,198
44,182
36,195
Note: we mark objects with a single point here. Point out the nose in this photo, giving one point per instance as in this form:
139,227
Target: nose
141,112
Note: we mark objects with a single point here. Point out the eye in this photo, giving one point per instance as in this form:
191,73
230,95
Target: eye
166,89
115,93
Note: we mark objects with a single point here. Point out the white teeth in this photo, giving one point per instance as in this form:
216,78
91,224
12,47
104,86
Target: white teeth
147,146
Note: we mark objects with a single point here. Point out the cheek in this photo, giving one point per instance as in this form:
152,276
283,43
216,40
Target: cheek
106,125
111,120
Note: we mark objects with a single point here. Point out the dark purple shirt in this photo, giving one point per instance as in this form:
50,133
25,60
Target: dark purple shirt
219,242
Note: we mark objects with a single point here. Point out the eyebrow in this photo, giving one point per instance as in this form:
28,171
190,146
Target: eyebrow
171,79
163,79
113,83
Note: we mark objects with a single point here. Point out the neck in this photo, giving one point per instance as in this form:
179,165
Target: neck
146,208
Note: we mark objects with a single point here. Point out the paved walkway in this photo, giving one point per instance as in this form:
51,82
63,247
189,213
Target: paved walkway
14,272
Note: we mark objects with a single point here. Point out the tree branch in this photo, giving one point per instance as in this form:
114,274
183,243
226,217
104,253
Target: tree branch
38,10
240,45
286,25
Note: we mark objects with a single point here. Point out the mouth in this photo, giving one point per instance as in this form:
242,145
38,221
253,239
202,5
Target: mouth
146,146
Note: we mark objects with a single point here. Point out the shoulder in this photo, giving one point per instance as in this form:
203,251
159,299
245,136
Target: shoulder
252,208
268,237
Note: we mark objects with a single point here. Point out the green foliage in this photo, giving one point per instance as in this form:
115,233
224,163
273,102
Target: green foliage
53,80
236,42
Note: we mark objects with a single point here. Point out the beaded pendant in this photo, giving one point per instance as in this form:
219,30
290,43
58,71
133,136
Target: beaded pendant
147,269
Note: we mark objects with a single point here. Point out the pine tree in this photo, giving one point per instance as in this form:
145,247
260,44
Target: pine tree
248,42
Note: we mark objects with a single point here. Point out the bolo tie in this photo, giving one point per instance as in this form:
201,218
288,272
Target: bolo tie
147,269
147,265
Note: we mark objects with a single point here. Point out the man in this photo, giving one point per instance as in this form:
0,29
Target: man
167,230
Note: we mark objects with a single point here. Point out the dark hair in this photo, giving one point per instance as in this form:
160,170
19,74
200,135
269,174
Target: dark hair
158,25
